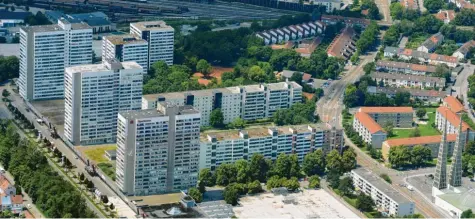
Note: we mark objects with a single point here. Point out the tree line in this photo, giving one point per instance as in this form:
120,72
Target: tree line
402,156
242,176
9,67
55,197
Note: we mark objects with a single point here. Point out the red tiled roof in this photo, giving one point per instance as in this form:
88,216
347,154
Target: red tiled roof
17,199
420,140
386,109
454,104
339,43
306,76
453,118
368,122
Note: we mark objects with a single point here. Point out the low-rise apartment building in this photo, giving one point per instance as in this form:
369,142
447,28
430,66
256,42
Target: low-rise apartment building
432,142
406,80
94,94
429,58
407,68
158,149
226,147
428,96
249,102
344,45
445,114
453,104
431,43
401,117
370,131
384,196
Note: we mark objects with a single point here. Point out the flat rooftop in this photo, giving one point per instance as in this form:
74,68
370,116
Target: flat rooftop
305,204
141,114
42,28
152,25
380,184
462,199
87,68
124,39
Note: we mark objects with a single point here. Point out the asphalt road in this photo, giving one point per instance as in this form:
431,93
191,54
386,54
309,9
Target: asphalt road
65,150
462,86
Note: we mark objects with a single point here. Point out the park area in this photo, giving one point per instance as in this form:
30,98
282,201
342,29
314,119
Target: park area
97,155
424,127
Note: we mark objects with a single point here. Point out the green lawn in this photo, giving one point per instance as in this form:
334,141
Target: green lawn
108,169
416,41
425,130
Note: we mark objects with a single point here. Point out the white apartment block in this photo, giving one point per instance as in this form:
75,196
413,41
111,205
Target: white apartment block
247,102
386,197
44,53
94,94
160,38
453,121
125,48
227,147
370,131
158,149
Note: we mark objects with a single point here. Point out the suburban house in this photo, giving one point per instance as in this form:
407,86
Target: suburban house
410,4
454,105
349,21
370,131
17,204
407,68
5,187
444,114
432,142
306,47
431,43
430,96
399,116
405,80
292,32
287,74
344,45
446,16
430,58
463,51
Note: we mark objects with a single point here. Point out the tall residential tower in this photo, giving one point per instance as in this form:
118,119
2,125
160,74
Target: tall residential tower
125,48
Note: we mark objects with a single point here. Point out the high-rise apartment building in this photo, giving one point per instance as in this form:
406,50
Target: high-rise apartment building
229,146
247,102
126,48
160,38
158,149
44,53
94,94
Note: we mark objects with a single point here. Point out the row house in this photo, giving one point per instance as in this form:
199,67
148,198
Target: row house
344,45
428,96
292,32
464,50
405,80
429,58
407,68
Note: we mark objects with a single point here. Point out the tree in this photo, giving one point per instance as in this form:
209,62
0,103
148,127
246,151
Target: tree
415,133
402,98
5,93
292,184
104,199
421,113
314,182
397,10
243,172
195,194
275,182
334,161
399,156
314,163
467,214
433,5
346,186
90,184
231,195
81,177
333,178
282,166
226,174
112,207
238,123
254,187
389,127
207,177
466,17
348,160
364,202
216,118
420,155
257,74
258,167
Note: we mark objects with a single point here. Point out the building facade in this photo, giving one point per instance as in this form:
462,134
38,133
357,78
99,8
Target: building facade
249,102
384,196
125,48
370,131
430,96
406,80
227,147
431,142
403,67
44,53
401,117
158,149
291,33
94,94
160,38
445,114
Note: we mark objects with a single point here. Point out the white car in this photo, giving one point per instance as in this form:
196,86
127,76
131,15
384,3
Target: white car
28,206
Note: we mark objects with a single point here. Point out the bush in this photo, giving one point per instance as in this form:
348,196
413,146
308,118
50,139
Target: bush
314,182
292,184
254,187
386,178
195,194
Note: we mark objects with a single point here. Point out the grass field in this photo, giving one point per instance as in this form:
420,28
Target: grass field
425,130
416,41
108,168
96,153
